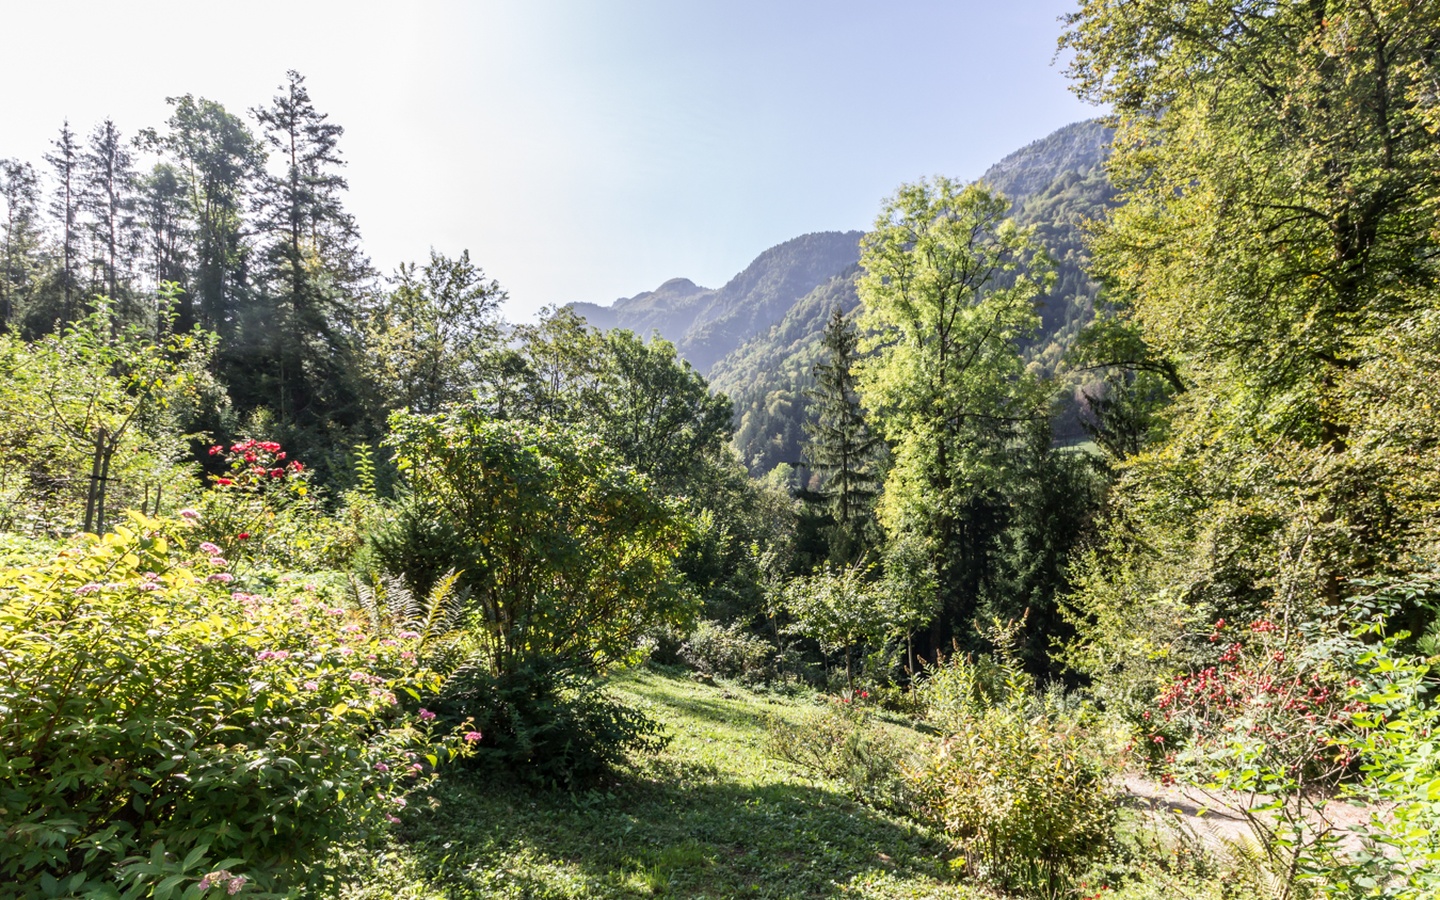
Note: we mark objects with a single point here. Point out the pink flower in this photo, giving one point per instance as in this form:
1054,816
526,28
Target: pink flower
210,549
219,561
221,577
90,588
472,736
312,686
235,885
381,767
408,635
392,819
426,715
189,514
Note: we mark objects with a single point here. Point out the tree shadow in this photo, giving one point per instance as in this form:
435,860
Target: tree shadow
686,833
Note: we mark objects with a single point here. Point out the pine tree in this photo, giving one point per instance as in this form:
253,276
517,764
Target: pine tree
21,247
839,444
304,338
65,207
107,194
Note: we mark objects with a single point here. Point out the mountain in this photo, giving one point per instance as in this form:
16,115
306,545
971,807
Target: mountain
1056,184
707,324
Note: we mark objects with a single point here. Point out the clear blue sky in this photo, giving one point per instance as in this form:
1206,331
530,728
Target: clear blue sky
579,150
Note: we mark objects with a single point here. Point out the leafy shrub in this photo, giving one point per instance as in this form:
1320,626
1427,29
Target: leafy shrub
1021,789
547,723
566,554
728,651
159,725
843,740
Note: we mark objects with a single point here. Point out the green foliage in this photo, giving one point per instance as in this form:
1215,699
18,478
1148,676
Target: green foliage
159,725
729,651
1022,788
840,446
547,724
565,553
842,609
434,336
842,740
91,417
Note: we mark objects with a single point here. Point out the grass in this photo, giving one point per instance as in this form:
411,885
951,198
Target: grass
712,816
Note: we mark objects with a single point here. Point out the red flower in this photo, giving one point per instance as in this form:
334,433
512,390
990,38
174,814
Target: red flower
224,482
217,450
243,536
276,473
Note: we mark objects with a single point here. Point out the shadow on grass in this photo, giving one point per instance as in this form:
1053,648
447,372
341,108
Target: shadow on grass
683,835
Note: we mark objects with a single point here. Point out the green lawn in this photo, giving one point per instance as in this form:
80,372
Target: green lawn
712,816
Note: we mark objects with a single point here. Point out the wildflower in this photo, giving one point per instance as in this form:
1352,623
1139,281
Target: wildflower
235,885
426,715
217,450
210,549
408,635
392,819
312,686
90,588
472,736
219,561
221,577
224,482
277,473
188,513
381,767
243,536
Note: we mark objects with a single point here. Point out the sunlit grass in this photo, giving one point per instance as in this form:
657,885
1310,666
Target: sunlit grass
712,816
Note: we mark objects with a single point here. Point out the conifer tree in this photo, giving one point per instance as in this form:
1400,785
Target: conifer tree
65,208
107,194
839,444
20,244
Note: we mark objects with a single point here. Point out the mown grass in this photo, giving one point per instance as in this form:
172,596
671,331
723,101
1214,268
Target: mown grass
712,816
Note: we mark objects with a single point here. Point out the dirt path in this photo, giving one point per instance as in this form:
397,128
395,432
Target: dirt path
1218,817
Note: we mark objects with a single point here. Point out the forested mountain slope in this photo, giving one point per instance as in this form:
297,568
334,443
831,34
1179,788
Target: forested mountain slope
706,324
1056,184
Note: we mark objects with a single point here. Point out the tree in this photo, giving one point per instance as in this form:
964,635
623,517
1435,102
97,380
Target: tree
298,352
20,256
566,554
436,333
220,159
949,289
107,194
839,444
1278,163
164,213
65,208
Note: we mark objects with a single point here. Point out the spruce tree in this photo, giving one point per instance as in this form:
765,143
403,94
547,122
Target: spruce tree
107,194
20,245
839,444
65,208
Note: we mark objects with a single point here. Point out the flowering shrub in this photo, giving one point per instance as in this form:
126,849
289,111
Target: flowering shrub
160,726
263,506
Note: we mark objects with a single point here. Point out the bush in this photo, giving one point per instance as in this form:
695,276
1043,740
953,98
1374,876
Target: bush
549,725
1021,788
843,741
159,725
729,651
564,552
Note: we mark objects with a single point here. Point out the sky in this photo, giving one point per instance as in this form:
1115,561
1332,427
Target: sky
581,150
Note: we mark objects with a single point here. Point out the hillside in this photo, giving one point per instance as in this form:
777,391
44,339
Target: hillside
707,324
1056,183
